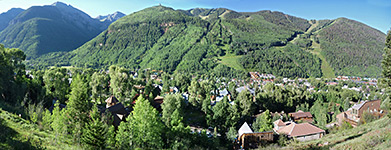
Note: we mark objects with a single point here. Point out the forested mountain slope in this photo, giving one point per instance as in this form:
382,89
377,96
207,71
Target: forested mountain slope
176,40
352,48
51,28
227,42
6,17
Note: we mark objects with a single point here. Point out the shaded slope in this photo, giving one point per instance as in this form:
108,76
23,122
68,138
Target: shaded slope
43,29
6,17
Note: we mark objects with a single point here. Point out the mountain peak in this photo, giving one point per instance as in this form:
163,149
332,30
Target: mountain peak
58,3
111,17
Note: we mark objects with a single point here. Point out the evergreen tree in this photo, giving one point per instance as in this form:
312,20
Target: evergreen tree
79,98
47,120
59,122
386,63
110,137
179,134
94,132
78,107
386,80
232,134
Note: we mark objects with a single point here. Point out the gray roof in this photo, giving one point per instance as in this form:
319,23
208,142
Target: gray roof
245,129
358,106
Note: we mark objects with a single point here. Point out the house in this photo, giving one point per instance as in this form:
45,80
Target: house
353,114
300,132
278,124
117,110
301,116
249,139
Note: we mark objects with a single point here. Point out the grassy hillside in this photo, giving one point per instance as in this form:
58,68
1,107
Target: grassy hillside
18,133
374,135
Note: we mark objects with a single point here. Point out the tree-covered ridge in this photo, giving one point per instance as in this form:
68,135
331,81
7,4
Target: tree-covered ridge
352,48
6,17
51,28
206,40
290,61
175,40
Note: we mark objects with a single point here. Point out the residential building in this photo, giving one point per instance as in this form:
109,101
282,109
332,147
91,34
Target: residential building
301,116
300,132
353,114
249,139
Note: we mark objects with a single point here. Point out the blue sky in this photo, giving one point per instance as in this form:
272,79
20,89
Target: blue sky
375,13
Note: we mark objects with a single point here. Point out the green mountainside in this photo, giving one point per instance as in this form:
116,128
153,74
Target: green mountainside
352,48
51,28
228,42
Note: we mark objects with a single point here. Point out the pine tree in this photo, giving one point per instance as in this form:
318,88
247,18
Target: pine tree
95,130
58,124
47,120
386,63
110,138
79,98
78,107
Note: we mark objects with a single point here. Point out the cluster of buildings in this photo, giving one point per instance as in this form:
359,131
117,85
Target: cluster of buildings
303,131
300,126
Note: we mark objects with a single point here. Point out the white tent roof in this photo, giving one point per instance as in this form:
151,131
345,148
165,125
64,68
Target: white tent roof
245,129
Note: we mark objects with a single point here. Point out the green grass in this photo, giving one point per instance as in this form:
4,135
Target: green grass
18,133
327,70
231,61
374,135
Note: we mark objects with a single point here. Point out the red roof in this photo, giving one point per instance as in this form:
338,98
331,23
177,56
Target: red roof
302,129
300,114
279,122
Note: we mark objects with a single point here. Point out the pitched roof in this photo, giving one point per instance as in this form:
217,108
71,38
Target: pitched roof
244,129
294,129
279,122
358,106
300,114
111,99
118,109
